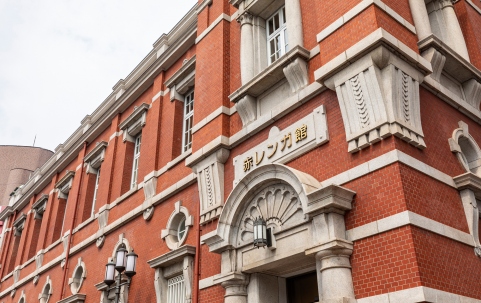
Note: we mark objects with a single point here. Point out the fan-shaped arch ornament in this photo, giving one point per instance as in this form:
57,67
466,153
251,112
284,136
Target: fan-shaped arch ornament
279,205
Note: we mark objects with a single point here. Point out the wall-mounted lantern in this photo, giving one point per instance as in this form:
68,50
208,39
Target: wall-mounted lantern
262,234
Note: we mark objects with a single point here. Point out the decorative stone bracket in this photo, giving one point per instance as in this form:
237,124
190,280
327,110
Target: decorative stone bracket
40,206
210,178
95,157
134,123
150,187
379,97
65,184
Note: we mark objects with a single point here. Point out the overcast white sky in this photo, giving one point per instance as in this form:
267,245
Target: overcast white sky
59,59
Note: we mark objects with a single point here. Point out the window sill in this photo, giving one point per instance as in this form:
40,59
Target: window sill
270,76
452,71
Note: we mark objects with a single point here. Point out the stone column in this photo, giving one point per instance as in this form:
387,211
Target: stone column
335,275
235,291
421,18
294,23
247,47
455,38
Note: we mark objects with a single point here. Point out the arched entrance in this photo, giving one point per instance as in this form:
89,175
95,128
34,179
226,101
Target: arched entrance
308,239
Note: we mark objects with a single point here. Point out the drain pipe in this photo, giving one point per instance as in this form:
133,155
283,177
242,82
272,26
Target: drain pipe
197,258
69,243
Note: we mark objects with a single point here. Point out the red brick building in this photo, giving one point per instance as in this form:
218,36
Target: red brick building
352,128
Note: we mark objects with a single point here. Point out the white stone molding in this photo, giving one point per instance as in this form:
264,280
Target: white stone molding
122,241
218,20
16,274
408,218
222,110
169,235
469,186
210,180
40,206
19,225
47,291
65,184
150,187
417,295
133,124
182,80
452,72
39,259
78,277
23,298
77,298
378,96
95,157
176,262
359,8
308,228
466,149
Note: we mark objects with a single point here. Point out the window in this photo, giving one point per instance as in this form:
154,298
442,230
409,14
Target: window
181,229
277,43
135,165
96,188
175,289
188,121
177,227
174,275
63,187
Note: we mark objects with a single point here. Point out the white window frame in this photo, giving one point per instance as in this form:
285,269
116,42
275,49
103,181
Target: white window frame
176,289
96,189
188,121
281,33
135,164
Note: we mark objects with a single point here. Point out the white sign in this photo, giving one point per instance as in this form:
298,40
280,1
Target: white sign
284,145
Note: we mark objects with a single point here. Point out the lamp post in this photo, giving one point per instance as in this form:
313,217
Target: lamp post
123,261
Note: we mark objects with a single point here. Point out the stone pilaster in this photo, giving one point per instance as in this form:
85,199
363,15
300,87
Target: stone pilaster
247,47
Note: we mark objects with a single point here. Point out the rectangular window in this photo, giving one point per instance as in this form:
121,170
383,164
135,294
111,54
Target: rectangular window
277,35
176,290
188,121
135,165
96,188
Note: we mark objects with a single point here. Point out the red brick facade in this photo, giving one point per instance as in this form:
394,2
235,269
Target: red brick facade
409,223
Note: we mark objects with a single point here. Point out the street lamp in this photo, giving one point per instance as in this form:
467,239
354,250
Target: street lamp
123,261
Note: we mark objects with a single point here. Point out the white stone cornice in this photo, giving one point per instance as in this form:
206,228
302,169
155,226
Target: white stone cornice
180,39
203,5
186,68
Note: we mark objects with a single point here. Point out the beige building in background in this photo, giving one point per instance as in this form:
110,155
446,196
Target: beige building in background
17,163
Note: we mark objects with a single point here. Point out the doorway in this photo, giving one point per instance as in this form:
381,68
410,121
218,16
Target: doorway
302,288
